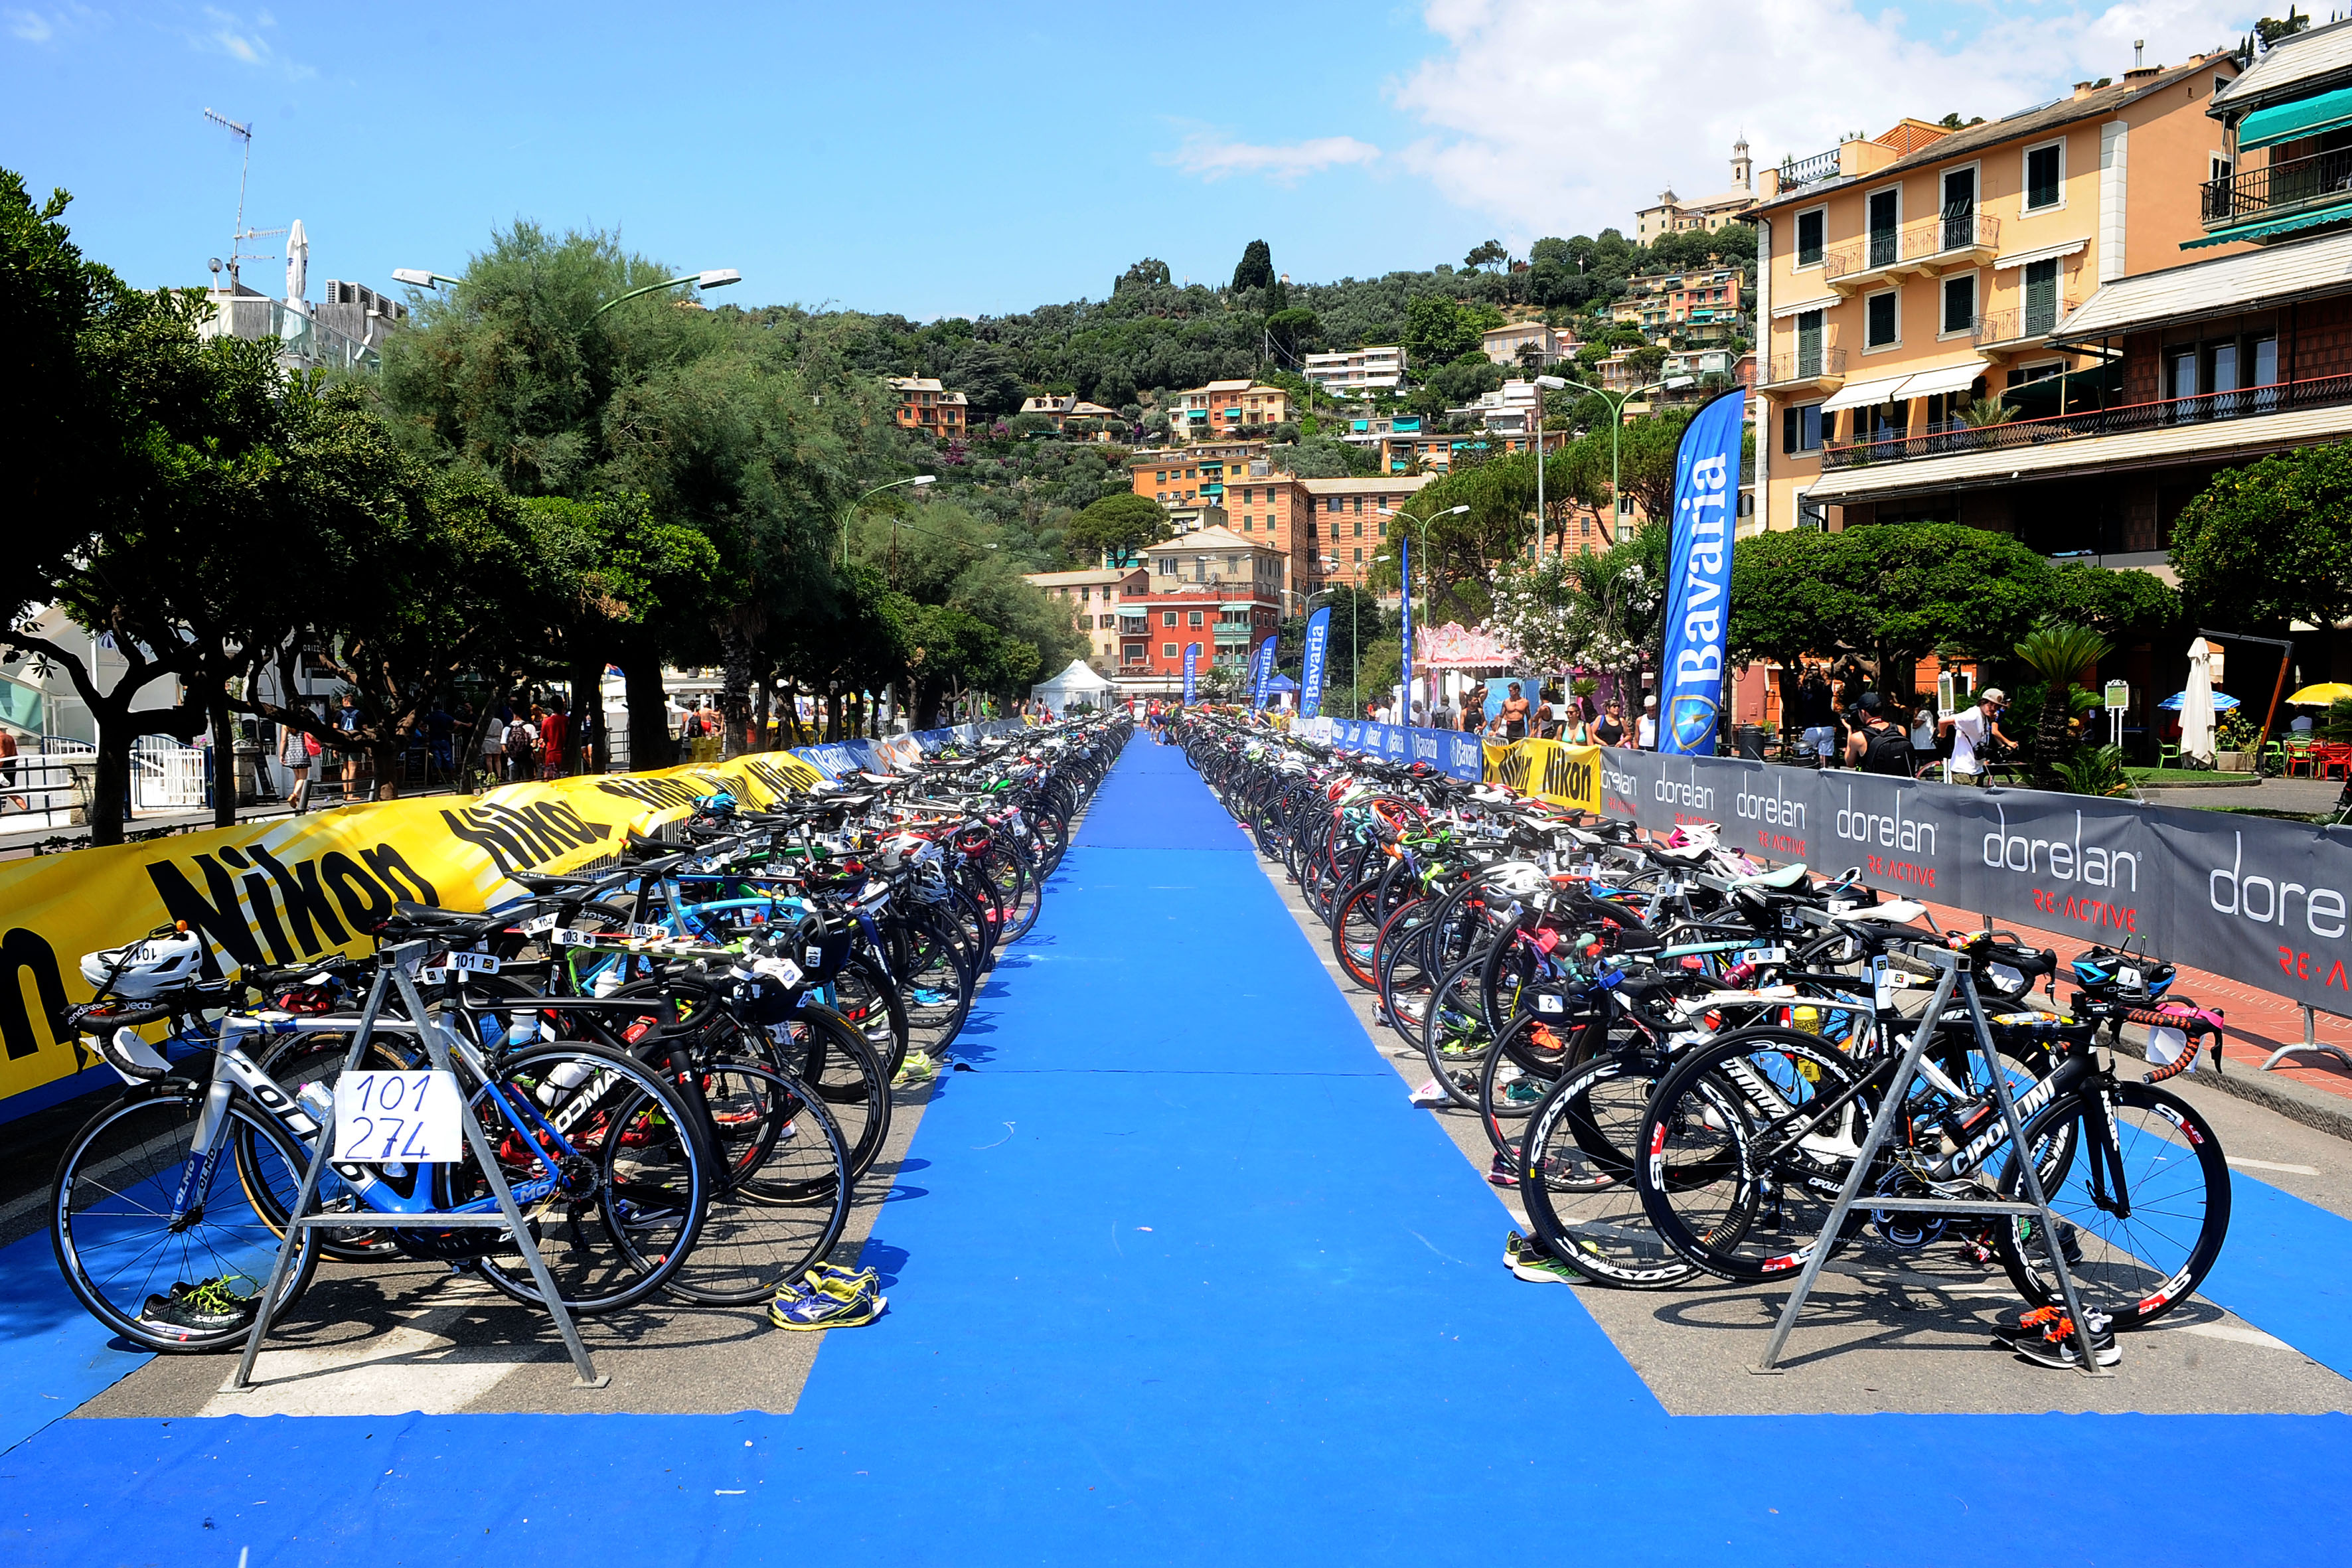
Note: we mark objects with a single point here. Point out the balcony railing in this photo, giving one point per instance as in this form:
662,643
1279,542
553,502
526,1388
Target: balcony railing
2322,179
2019,323
1795,171
1922,241
1805,365
2246,403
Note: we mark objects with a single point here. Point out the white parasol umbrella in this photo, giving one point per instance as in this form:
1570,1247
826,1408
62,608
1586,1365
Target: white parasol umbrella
2197,707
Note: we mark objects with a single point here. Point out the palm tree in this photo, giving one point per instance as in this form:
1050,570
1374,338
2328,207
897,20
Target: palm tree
2058,653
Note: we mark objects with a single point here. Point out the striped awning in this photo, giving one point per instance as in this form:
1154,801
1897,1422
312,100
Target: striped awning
2276,225
2292,121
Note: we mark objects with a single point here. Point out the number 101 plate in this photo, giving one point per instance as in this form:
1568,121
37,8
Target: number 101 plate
407,1117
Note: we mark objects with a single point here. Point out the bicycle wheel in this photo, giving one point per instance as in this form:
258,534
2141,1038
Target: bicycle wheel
612,1175
864,995
2148,1208
820,1048
785,1186
1576,1179
1455,1039
111,1215
1741,1158
1519,1071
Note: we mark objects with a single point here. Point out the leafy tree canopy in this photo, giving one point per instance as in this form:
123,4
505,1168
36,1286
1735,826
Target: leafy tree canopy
2271,543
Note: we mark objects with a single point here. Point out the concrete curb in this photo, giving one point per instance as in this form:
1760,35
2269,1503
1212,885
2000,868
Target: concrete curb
2313,1108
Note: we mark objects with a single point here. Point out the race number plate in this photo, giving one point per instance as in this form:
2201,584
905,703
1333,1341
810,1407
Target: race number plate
382,1117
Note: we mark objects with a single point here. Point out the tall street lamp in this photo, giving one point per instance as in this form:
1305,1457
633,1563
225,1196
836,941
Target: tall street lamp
711,278
850,510
1616,430
1420,531
1355,675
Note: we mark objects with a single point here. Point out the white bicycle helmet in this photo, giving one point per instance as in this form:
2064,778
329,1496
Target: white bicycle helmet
145,968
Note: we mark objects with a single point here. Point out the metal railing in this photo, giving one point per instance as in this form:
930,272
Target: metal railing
2275,189
1929,238
299,336
1795,171
1804,365
2019,323
2246,403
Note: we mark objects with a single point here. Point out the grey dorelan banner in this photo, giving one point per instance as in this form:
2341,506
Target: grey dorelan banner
2267,903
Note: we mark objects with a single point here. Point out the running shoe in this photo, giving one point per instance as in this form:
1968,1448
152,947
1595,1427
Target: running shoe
806,1310
1502,1172
1526,1258
208,1307
2046,1334
1525,1091
1431,1094
918,1068
835,1281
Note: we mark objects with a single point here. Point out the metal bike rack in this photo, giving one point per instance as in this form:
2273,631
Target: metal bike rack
2311,1042
1959,976
395,974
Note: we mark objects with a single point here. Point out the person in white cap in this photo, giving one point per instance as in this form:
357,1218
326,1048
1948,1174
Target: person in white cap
1972,728
1646,736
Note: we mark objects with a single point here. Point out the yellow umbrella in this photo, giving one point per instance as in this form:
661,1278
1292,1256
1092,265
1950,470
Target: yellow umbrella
2321,695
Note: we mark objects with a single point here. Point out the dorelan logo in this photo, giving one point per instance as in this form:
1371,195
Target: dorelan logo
2232,892
2066,860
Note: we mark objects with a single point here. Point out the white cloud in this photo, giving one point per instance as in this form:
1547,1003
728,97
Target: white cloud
1565,116
225,32
40,28
1211,158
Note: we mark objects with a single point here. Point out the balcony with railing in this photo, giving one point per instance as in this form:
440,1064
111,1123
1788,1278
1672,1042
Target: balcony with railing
1956,438
2019,326
1965,237
1812,171
2279,190
1821,365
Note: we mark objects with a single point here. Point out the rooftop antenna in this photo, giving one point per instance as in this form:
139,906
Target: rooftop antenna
241,233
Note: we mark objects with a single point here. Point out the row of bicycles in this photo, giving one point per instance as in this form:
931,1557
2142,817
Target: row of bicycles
683,1060
1676,1053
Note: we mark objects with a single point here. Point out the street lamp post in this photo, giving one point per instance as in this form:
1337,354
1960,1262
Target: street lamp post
850,510
1616,430
711,278
1420,531
1355,674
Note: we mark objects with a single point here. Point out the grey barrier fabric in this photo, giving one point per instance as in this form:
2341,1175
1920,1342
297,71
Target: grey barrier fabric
2267,903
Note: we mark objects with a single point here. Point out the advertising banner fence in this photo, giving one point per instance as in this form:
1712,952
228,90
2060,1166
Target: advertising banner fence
2266,902
289,890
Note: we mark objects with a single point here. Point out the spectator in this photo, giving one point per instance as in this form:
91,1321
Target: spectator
1646,737
494,748
1610,731
1877,746
298,752
1816,715
552,728
347,720
522,748
1514,715
1976,730
8,769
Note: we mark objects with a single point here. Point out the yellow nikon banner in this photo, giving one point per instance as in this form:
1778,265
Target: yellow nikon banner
1547,770
293,888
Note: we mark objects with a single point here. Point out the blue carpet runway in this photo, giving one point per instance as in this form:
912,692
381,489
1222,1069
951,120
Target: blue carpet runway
1187,1281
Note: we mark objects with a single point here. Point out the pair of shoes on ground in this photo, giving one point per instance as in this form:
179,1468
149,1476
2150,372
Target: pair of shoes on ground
1525,1256
2046,1335
828,1297
207,1307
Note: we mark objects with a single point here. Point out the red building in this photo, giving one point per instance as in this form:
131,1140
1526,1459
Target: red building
1210,588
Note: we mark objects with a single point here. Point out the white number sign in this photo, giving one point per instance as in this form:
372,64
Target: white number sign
398,1116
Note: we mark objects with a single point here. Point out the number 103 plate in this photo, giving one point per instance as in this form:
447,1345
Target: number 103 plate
398,1116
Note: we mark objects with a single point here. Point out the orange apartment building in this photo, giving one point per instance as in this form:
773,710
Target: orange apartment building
1093,597
1302,520
1223,407
1909,281
924,405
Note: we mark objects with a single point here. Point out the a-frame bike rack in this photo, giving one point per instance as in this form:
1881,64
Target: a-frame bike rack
394,976
1959,978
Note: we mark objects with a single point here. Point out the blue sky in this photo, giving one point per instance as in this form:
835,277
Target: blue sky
960,159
